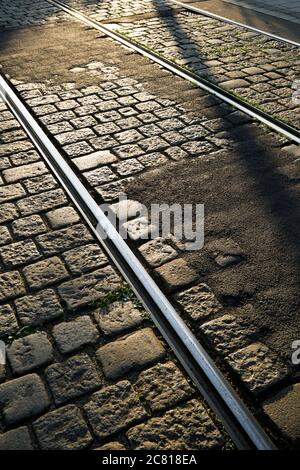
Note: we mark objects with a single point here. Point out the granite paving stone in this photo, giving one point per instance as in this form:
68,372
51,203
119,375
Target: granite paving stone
62,429
11,285
84,259
157,252
16,439
188,427
28,226
118,317
73,335
113,409
63,239
72,378
23,398
129,353
177,273
8,322
19,253
43,307
62,217
45,272
29,353
40,202
258,367
163,386
199,302
228,333
89,287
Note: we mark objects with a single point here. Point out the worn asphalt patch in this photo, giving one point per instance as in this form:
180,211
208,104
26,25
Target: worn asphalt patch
249,199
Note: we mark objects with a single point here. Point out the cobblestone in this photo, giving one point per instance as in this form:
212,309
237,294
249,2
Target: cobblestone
228,333
83,259
4,236
62,429
61,217
163,386
46,272
113,409
177,273
25,171
157,252
30,352
11,285
130,353
199,302
226,54
79,148
15,147
94,160
38,309
16,439
186,428
129,167
19,253
63,239
118,317
139,229
72,378
128,151
73,335
112,191
8,322
39,184
99,176
28,226
23,398
127,209
258,367
42,202
10,192
8,212
89,288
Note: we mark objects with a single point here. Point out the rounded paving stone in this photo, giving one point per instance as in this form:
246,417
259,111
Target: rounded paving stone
30,352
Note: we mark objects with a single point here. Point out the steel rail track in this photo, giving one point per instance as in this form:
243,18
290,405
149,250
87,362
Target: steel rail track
189,7
281,127
240,424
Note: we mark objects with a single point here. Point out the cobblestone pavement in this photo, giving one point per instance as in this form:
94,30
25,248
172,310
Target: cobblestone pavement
85,366
118,118
284,9
19,13
258,69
